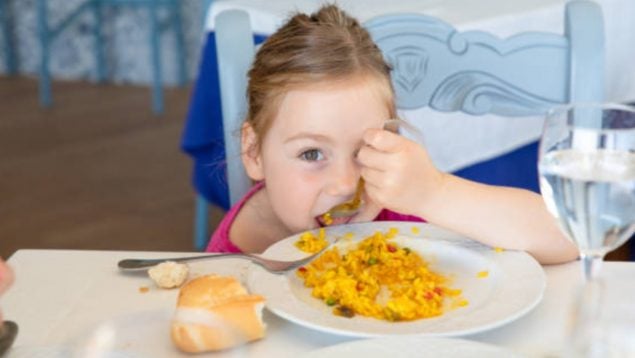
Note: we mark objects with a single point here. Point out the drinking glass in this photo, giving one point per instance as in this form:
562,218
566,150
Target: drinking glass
587,176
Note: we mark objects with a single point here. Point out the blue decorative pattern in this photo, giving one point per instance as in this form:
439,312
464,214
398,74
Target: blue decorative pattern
410,65
127,49
435,65
479,93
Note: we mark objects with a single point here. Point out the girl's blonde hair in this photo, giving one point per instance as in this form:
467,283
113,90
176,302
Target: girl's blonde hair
328,45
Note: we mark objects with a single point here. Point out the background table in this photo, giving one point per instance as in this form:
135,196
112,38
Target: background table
72,300
486,148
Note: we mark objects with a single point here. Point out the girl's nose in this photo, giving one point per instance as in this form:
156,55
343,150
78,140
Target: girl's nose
343,179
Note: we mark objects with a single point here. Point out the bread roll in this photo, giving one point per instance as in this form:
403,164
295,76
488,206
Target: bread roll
214,313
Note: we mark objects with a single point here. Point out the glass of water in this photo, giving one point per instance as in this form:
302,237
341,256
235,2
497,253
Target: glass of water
587,176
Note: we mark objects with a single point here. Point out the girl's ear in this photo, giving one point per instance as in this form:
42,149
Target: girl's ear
250,153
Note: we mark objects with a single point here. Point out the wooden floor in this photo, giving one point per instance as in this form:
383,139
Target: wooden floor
96,171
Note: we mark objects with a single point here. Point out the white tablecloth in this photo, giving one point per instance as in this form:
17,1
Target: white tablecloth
455,140
69,300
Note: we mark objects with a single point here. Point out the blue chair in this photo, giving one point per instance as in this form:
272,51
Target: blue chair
48,34
6,19
436,66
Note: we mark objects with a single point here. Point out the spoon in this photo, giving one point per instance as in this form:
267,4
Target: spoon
351,207
8,332
347,208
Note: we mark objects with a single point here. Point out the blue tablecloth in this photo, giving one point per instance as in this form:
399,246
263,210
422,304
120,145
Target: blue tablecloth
203,141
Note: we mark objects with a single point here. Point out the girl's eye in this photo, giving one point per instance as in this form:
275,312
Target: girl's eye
312,155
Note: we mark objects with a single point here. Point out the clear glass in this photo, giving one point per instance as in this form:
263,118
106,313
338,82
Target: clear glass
587,177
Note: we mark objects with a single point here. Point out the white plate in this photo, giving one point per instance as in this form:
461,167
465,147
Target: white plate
409,346
515,284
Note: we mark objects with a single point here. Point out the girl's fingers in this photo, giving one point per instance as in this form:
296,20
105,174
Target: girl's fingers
376,190
371,176
371,190
383,140
6,276
382,182
370,157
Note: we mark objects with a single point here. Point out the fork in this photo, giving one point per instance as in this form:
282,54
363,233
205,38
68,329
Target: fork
274,266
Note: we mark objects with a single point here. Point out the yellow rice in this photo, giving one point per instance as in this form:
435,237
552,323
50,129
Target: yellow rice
311,243
379,279
482,274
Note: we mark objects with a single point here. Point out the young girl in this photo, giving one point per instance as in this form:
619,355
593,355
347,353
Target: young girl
319,92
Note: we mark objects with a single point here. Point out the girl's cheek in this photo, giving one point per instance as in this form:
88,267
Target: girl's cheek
312,178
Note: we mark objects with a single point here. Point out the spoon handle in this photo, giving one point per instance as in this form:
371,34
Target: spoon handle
357,199
133,264
395,124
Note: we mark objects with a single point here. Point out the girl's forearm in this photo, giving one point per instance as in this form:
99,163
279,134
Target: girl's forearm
497,216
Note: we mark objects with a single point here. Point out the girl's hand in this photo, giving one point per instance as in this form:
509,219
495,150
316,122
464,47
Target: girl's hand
6,279
6,276
399,174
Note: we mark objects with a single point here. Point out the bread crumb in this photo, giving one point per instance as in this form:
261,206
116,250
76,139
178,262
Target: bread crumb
144,289
169,274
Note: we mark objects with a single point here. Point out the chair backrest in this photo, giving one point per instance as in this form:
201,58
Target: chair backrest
436,66
234,53
477,73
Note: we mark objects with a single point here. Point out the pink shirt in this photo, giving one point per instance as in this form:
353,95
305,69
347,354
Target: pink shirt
220,239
